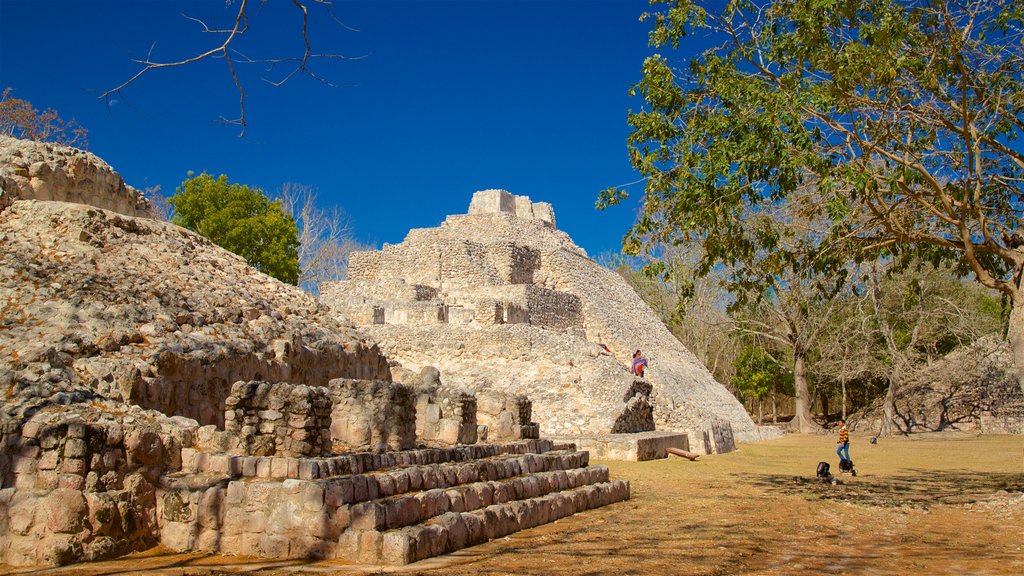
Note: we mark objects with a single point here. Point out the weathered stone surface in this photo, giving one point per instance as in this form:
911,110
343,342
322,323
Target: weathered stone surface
299,426
372,414
499,299
44,171
145,312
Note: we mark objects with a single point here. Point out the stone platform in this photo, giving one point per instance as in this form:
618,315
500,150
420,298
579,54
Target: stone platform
390,508
636,447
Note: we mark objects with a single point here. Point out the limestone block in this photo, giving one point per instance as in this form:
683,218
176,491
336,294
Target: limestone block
373,414
492,202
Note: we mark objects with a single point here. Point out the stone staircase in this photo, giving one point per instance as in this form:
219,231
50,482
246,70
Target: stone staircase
389,508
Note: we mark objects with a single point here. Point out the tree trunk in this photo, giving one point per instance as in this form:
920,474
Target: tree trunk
775,407
888,409
844,399
802,421
1015,336
760,420
824,404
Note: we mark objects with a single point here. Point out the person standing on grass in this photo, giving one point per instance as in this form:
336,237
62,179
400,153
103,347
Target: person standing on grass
844,441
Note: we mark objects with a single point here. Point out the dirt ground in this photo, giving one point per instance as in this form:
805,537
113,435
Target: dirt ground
928,504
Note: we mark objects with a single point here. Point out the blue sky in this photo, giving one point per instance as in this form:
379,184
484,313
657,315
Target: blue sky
449,98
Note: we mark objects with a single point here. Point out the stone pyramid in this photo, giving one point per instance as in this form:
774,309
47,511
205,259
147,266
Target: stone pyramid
501,299
158,390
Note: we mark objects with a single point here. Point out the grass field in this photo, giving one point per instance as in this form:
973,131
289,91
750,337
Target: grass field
928,504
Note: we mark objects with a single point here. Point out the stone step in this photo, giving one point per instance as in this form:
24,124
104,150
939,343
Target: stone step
416,508
420,510
276,467
357,488
453,531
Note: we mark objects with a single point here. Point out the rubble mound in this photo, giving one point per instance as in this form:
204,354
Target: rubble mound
95,303
973,388
44,171
501,299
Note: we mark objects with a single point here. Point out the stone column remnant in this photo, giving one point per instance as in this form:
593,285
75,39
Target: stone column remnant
502,417
372,415
279,419
445,416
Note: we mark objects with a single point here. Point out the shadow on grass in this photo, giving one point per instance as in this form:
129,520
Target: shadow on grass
915,489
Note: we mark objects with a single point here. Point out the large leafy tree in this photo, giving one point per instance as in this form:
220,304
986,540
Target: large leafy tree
242,220
906,114
757,374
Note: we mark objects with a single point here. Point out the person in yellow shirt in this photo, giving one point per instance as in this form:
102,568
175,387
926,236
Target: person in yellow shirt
844,442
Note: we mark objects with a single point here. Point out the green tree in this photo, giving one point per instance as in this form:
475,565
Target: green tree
240,219
757,374
908,114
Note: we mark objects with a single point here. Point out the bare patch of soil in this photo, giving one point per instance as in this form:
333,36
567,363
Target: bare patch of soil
927,504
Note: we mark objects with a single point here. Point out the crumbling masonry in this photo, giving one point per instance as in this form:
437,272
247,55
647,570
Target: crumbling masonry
157,390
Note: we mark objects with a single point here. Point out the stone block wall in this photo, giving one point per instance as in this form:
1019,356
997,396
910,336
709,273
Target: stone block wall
372,415
78,485
278,419
504,202
445,417
418,313
197,385
515,264
502,417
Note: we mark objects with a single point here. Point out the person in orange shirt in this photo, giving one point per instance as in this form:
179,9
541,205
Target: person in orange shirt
844,442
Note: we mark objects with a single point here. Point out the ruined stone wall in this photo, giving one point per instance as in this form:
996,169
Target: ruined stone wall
445,416
501,202
79,484
44,171
372,415
638,413
148,313
503,417
279,419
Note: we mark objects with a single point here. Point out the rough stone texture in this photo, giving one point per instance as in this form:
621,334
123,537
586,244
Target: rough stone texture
636,447
973,388
43,171
102,314
502,202
503,417
445,416
78,483
403,507
500,301
279,419
638,416
151,314
372,415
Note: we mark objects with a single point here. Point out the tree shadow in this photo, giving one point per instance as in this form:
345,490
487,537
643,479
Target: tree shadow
915,489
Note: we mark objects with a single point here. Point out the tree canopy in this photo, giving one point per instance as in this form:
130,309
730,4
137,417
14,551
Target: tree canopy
904,117
240,219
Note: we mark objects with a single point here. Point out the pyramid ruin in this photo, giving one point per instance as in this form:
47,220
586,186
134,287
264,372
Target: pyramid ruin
158,390
501,300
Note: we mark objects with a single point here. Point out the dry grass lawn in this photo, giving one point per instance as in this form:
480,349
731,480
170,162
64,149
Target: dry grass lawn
928,504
